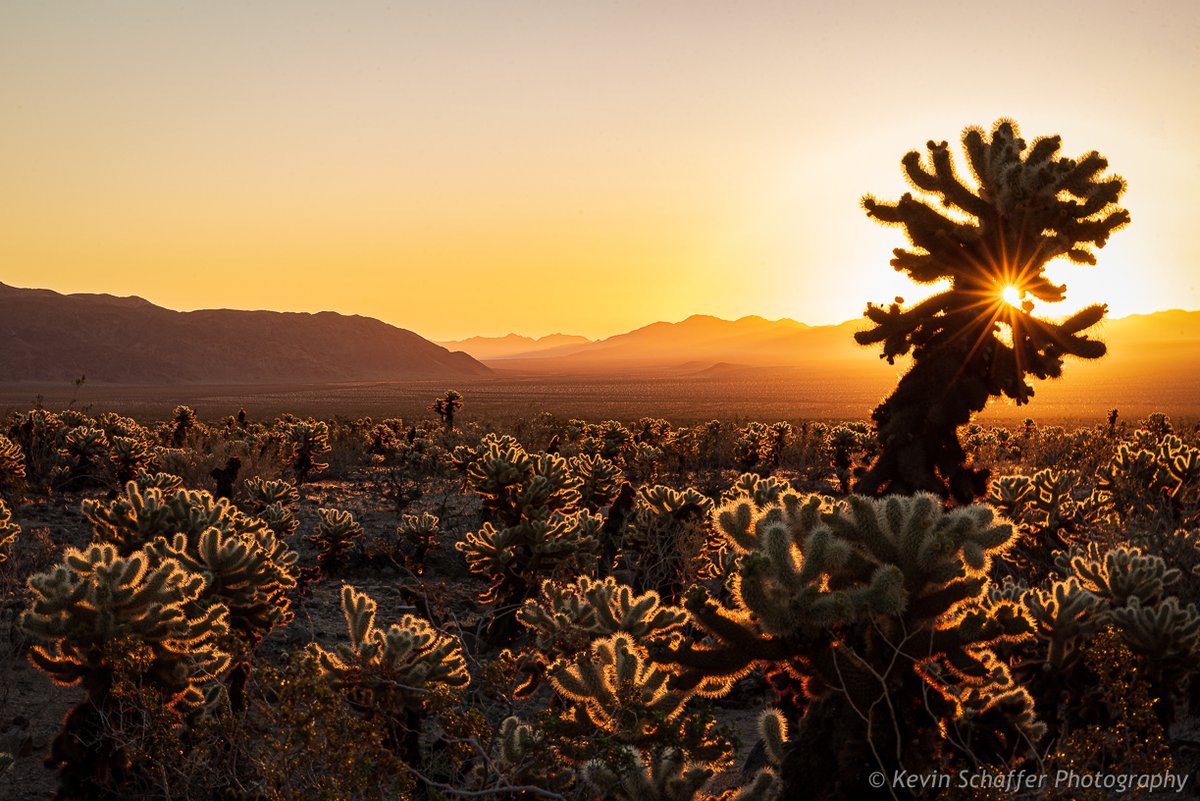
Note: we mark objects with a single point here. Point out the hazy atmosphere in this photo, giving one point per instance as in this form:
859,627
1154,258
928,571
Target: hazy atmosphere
480,168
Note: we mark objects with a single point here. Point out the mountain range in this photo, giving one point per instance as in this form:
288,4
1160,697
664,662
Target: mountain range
49,337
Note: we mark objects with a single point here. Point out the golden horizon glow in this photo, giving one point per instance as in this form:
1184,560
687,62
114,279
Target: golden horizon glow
473,168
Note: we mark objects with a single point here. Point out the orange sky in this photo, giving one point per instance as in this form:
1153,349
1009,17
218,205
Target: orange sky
587,167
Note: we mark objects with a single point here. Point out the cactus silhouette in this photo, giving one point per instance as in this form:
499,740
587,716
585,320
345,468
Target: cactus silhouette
1028,206
447,406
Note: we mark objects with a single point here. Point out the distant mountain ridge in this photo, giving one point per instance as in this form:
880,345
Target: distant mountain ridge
513,345
1156,348
50,337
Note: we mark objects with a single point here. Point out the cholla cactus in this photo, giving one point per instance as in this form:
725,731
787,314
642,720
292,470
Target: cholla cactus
843,444
856,602
273,503
664,545
183,420
84,454
101,617
620,699
759,447
567,618
513,484
609,439
1121,574
1025,208
12,465
8,531
421,532
309,441
139,515
1154,481
1126,589
527,757
514,556
446,407
1122,591
1047,515
671,777
335,536
245,566
389,674
166,482
587,609
130,456
534,523
600,480
763,492
617,689
96,597
250,574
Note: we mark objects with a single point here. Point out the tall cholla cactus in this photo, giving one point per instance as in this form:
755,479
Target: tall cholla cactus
862,603
388,674
446,407
1026,207
99,614
183,420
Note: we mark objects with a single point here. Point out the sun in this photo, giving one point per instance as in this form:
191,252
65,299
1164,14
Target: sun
1012,296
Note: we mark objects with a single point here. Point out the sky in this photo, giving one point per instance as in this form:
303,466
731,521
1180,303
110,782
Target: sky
479,168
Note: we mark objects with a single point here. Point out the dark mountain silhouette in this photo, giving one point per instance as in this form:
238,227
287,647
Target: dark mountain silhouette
49,337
